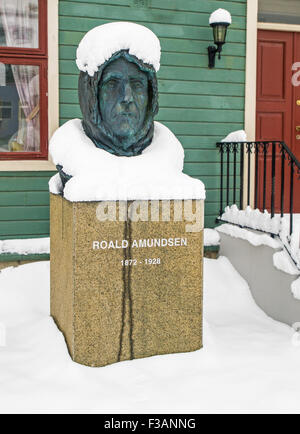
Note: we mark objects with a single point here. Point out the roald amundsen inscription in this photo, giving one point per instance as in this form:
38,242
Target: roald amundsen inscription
142,243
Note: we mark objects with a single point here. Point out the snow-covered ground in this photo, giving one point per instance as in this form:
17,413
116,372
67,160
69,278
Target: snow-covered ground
32,246
249,363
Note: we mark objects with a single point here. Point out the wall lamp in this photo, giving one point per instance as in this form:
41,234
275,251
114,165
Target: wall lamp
219,21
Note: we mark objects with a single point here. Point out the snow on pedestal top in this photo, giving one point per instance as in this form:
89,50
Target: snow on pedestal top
100,43
220,16
156,174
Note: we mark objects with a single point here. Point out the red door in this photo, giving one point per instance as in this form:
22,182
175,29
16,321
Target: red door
278,114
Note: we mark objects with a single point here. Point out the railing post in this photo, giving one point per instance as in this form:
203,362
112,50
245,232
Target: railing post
228,174
242,177
282,180
265,176
234,172
273,179
292,197
256,174
249,150
221,184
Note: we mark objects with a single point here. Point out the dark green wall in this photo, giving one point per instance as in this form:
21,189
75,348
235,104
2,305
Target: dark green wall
24,204
199,105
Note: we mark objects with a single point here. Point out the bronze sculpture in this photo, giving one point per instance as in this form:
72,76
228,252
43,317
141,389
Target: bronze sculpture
118,105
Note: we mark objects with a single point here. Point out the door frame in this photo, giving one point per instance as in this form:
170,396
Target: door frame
251,80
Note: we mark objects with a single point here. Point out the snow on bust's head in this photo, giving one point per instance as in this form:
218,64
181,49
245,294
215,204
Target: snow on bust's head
220,16
100,43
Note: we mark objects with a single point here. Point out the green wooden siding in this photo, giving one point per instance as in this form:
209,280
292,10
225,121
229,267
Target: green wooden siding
199,105
24,204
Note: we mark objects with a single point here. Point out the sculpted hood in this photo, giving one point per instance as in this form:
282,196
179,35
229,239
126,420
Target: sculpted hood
97,50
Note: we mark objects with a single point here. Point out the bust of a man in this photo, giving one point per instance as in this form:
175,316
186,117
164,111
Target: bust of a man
117,151
117,88
119,103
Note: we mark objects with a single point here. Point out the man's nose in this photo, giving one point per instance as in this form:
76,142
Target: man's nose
127,93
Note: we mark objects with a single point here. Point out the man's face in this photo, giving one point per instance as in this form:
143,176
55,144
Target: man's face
123,95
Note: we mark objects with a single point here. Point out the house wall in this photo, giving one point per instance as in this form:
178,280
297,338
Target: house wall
199,105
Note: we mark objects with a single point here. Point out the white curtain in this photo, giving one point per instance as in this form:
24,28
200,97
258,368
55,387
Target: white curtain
19,19
20,22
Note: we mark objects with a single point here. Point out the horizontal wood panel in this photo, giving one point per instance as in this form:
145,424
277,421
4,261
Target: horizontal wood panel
73,37
32,228
23,184
24,198
147,15
237,7
24,213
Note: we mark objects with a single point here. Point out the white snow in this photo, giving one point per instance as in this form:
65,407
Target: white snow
253,219
211,237
292,242
277,225
220,16
296,288
283,262
249,363
156,174
236,136
100,43
256,239
26,247
55,184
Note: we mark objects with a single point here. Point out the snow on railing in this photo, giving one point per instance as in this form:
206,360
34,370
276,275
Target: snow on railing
263,221
276,184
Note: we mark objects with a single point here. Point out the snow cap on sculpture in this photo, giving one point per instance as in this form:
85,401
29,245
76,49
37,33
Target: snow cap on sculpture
102,42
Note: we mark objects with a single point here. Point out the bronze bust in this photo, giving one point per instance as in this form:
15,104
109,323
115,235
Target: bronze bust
118,105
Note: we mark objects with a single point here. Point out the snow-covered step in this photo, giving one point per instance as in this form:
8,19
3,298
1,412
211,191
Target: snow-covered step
270,273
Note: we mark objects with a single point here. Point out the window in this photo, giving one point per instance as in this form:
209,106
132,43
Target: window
23,80
279,11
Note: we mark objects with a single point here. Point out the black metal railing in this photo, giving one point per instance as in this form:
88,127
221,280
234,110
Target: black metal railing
276,171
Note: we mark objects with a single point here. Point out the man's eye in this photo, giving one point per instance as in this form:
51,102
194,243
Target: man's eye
137,84
112,83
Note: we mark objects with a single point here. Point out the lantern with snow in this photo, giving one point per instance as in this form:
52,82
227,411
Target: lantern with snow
219,21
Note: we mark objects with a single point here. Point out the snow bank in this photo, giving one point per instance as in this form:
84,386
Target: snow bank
283,262
236,136
156,174
220,16
248,363
26,247
100,43
296,289
211,237
291,242
253,238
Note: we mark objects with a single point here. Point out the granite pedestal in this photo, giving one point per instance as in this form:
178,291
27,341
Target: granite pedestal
124,290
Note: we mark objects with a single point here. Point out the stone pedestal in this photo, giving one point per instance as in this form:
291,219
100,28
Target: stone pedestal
122,290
